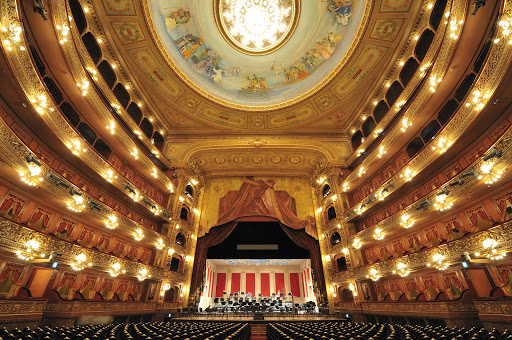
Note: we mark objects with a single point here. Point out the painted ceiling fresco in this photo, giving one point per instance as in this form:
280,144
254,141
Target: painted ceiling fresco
324,33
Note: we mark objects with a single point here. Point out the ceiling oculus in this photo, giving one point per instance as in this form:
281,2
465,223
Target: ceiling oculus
256,27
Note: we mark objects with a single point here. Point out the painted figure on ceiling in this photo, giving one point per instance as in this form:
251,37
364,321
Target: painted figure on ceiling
342,9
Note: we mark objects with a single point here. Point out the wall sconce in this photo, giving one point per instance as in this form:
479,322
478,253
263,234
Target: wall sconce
188,258
405,124
139,234
357,244
406,221
345,187
441,203
408,174
321,180
30,251
32,176
155,210
181,199
79,263
374,275
159,244
111,223
77,205
170,187
490,250
382,152
488,174
438,262
345,251
352,289
115,270
143,274
76,147
193,181
401,269
327,258
110,175
135,153
171,251
378,234
442,145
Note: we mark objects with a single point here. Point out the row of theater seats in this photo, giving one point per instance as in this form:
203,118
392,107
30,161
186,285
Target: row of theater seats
140,331
349,331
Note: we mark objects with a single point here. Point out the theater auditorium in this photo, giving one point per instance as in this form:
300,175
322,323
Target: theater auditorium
255,169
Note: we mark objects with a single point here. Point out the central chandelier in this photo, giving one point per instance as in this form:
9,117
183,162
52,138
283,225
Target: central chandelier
256,26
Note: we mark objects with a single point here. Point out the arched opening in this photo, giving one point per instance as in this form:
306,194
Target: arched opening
326,190
335,238
184,214
180,239
331,213
170,295
175,263
189,191
341,263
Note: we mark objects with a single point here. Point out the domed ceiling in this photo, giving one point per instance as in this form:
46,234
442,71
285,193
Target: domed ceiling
256,53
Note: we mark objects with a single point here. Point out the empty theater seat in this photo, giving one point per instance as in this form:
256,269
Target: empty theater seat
139,331
340,330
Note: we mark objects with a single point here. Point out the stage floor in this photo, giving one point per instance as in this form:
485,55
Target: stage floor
266,318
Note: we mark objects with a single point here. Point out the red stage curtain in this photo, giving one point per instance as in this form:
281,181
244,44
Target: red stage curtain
221,285
280,283
303,240
235,282
294,284
250,283
305,284
215,236
265,284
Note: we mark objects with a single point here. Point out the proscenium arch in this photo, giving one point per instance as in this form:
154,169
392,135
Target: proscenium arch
219,233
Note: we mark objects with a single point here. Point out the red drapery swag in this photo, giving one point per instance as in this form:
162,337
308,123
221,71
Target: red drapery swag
258,198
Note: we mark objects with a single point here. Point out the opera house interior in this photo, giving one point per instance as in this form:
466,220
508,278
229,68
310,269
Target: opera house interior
352,184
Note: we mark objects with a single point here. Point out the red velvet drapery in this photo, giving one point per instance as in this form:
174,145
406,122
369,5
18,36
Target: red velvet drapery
215,236
303,240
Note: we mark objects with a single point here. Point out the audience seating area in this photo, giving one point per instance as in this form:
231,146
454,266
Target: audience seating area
340,330
139,331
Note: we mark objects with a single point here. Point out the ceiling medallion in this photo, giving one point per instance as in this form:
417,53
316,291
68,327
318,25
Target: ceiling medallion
256,27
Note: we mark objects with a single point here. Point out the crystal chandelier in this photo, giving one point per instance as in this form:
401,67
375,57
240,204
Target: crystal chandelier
256,26
112,222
